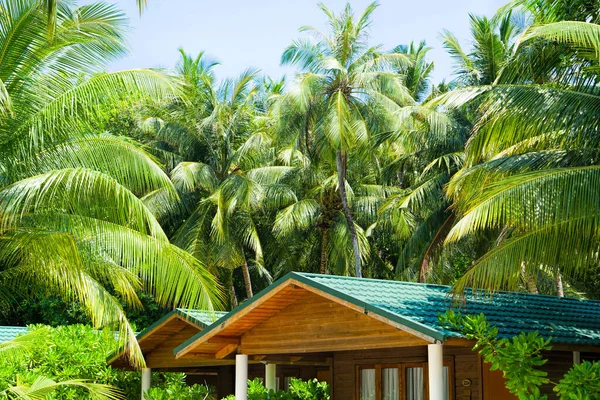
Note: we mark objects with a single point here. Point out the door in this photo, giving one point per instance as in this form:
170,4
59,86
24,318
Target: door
493,385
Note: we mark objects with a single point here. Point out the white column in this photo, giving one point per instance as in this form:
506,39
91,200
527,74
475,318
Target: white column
576,357
241,377
271,376
146,381
435,359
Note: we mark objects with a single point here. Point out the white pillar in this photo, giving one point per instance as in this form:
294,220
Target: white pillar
435,359
146,381
271,376
241,377
576,357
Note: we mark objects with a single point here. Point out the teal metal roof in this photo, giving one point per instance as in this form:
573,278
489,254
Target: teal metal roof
566,320
10,332
202,318
417,306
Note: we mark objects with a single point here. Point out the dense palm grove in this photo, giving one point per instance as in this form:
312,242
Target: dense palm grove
150,188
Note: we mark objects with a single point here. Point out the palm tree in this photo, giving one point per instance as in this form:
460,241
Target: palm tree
531,167
225,167
425,151
42,387
52,6
493,42
313,228
346,92
417,73
73,223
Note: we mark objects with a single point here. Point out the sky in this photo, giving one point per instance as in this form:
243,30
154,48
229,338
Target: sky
253,33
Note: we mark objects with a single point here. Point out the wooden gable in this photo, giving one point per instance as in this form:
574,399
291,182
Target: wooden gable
296,319
158,343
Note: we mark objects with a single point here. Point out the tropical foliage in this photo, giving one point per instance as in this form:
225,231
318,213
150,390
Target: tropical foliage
298,390
520,358
73,222
120,190
529,168
69,362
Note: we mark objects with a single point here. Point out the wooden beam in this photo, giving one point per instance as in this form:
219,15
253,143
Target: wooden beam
316,324
295,358
225,340
225,351
575,347
196,355
460,342
258,358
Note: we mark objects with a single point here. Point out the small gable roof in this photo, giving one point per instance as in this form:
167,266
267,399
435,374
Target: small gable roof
416,307
200,318
179,324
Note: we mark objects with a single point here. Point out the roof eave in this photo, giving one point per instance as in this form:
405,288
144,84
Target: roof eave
412,327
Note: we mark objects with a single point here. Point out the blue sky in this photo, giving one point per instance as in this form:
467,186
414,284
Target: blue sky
253,33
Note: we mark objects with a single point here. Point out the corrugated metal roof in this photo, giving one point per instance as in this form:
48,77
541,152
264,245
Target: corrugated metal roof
10,332
417,306
566,320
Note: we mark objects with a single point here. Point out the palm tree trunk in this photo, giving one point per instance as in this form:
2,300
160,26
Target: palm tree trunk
232,296
247,281
531,286
340,161
559,285
324,244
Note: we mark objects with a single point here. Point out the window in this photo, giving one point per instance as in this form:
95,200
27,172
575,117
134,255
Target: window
390,383
415,383
397,381
287,380
367,383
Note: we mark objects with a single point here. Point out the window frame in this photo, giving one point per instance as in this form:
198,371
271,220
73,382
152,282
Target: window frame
402,377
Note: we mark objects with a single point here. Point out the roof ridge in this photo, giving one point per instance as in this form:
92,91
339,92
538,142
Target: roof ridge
474,292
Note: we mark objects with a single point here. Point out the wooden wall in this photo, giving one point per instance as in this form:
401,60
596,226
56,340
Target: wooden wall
559,362
465,364
493,383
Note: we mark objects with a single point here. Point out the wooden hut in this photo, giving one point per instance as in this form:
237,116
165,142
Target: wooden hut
370,339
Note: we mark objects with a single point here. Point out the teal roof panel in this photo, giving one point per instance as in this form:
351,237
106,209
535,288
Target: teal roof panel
417,306
203,318
10,332
566,320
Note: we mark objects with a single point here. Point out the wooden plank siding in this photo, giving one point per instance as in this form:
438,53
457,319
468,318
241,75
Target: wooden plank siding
161,355
316,324
463,361
559,362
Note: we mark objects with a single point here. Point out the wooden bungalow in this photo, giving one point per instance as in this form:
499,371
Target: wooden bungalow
375,339
158,341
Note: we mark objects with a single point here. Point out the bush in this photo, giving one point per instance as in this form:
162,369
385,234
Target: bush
66,353
79,352
298,390
174,388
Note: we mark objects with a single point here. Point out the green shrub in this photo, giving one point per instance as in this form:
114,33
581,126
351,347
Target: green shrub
174,388
67,353
520,360
79,352
582,382
309,390
298,390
